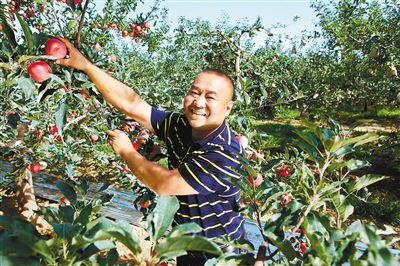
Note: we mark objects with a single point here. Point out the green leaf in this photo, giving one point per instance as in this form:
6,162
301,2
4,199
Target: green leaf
342,151
96,247
343,207
363,182
67,213
183,243
56,78
356,164
84,215
8,30
67,76
122,231
8,260
61,115
27,85
67,230
160,219
67,190
184,229
98,229
285,247
308,137
27,32
360,140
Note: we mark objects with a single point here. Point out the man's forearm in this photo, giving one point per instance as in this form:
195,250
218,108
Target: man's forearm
161,180
149,173
113,91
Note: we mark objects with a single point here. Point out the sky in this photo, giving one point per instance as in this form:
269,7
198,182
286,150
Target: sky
271,12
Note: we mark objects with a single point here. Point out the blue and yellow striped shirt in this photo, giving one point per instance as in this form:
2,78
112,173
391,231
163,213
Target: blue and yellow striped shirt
205,165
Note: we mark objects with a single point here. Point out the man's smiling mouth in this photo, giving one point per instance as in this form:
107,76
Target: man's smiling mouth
198,113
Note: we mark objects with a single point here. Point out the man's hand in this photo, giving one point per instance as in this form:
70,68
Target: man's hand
76,59
119,141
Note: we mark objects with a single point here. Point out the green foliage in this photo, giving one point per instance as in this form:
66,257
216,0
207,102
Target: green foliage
303,184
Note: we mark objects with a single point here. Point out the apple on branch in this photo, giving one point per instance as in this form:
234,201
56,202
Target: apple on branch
55,47
39,70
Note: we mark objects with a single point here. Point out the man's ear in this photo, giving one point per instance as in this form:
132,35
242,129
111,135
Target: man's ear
229,106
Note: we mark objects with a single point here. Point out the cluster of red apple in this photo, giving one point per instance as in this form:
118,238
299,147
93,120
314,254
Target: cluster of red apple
25,14
135,29
40,70
67,2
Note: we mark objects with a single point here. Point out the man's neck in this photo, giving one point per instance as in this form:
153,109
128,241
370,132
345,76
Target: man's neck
201,134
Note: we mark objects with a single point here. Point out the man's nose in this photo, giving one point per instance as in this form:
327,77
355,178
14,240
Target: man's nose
200,101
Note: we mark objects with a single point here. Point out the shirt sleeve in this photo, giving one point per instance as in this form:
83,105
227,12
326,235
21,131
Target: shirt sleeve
208,172
158,122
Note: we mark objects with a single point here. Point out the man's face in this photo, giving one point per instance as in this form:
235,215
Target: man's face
207,103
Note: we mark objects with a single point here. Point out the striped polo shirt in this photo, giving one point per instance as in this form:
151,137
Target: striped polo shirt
205,165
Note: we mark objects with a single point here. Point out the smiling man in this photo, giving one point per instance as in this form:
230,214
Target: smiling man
203,153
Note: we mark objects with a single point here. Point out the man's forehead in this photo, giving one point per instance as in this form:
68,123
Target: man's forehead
206,89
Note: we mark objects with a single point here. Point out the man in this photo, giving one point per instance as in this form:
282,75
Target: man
203,152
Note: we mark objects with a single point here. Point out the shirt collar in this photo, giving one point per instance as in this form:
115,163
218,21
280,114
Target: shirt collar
212,136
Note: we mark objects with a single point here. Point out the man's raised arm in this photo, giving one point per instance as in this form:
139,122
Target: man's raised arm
115,92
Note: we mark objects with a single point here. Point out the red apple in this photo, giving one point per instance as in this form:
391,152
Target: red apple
144,204
243,140
64,201
256,182
97,46
135,145
143,137
34,167
53,129
1,27
146,25
39,70
303,247
124,33
113,58
75,2
284,172
24,15
138,29
84,94
94,138
58,138
126,168
56,48
285,199
113,25
39,133
64,88
137,40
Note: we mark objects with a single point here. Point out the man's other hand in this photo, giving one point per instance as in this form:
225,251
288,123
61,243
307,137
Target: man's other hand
119,141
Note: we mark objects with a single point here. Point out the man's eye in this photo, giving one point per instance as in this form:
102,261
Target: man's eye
210,98
194,92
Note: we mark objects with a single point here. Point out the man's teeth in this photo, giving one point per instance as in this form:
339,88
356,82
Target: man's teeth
198,113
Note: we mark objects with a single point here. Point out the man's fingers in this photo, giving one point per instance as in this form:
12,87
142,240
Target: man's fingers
67,43
62,62
114,133
111,133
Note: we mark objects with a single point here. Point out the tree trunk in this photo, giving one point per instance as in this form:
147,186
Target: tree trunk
26,204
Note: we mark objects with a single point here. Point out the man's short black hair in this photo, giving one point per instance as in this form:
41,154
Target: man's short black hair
223,74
